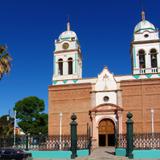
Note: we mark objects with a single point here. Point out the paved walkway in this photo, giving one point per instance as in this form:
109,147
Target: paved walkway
103,153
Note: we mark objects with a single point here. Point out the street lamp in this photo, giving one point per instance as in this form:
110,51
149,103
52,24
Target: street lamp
152,121
60,130
14,134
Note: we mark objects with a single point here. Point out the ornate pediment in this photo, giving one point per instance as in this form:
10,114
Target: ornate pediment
106,108
105,81
102,108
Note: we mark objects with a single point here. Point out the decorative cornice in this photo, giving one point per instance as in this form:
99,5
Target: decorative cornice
68,39
69,86
144,30
106,91
143,42
64,51
137,82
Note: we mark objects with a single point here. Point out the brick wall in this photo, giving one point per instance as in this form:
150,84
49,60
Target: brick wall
139,97
68,99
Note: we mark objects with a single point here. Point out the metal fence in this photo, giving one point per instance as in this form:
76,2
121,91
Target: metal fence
121,141
141,141
41,142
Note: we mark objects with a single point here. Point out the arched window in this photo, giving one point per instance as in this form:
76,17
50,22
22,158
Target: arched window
70,66
153,58
60,66
141,54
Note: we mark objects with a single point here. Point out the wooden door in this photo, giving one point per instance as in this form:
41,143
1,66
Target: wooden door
106,126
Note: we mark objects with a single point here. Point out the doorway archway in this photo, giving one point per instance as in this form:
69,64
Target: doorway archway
106,132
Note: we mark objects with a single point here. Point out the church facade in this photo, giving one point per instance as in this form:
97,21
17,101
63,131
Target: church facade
103,102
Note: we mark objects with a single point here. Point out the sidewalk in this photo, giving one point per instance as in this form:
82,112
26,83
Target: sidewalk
106,153
102,153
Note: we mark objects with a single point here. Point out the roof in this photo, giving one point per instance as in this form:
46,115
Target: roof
68,34
144,25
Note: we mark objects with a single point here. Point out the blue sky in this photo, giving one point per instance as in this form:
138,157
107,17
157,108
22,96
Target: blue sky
29,27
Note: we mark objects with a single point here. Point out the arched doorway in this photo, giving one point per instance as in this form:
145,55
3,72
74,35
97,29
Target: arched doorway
106,131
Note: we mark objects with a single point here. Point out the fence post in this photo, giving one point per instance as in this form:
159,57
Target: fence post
89,140
116,129
27,141
129,124
73,125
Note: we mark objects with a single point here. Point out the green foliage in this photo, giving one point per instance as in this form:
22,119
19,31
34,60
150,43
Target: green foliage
4,61
31,117
6,126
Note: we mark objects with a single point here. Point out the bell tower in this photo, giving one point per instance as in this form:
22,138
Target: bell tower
145,48
67,56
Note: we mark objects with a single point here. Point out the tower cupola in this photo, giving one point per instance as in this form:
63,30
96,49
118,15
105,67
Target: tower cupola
68,34
144,25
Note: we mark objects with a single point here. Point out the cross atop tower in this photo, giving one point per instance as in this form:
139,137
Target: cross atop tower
68,24
143,15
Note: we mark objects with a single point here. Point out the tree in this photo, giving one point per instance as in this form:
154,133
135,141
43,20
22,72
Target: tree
31,117
6,126
5,60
